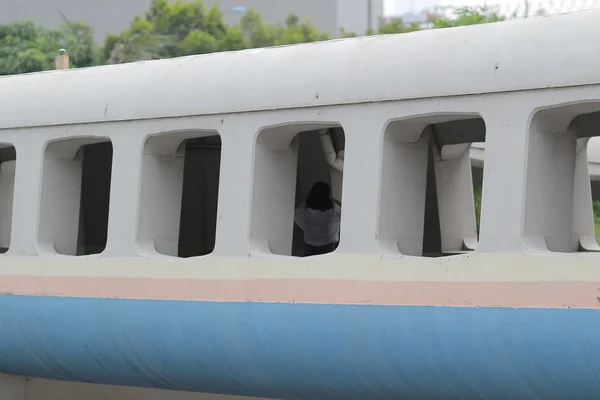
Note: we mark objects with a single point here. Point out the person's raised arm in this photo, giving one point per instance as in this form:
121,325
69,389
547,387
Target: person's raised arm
335,160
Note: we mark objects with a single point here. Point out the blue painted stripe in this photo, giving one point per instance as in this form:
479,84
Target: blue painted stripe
304,351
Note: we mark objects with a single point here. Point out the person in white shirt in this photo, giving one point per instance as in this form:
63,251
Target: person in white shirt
319,218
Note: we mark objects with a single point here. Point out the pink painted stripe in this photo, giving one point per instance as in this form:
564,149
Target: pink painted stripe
486,294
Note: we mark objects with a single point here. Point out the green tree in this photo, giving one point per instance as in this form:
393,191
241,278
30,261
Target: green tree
255,31
186,27
170,29
78,38
396,25
233,39
198,42
346,34
298,32
214,23
596,208
26,47
139,42
466,16
179,18
176,29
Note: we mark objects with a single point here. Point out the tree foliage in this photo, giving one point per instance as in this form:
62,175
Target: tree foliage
396,25
26,47
170,29
596,209
466,16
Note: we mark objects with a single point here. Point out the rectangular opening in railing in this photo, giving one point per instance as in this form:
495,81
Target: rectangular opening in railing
298,174
75,196
8,159
428,204
179,193
561,188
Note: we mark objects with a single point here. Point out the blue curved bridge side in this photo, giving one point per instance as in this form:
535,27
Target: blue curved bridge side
304,351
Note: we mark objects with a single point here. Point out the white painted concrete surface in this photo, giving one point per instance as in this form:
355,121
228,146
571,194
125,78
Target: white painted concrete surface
258,100
408,128
257,186
493,58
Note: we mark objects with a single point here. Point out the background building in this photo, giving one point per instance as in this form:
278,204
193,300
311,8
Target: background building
115,15
327,15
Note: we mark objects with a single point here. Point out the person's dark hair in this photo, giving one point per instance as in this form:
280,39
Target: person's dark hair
319,197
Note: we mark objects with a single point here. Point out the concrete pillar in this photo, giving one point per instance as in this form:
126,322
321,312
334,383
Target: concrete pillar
362,183
584,235
124,196
27,194
273,196
61,198
235,189
403,189
161,192
548,218
337,177
503,197
160,198
456,201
